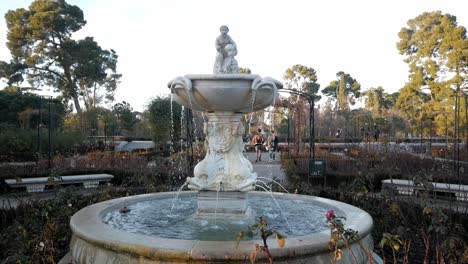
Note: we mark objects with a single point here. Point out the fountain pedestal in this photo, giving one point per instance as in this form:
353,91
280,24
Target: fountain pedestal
224,167
221,203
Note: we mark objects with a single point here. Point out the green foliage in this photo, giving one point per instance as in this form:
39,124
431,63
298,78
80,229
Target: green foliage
39,232
160,111
40,38
436,50
14,106
125,115
12,72
378,101
65,143
345,90
91,72
18,144
94,122
303,78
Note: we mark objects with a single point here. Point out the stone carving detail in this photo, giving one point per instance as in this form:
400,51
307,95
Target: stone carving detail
224,168
226,50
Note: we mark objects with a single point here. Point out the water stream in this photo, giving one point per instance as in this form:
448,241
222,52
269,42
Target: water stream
253,97
216,205
177,196
277,204
282,187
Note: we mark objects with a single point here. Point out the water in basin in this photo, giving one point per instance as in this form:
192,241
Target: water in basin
154,217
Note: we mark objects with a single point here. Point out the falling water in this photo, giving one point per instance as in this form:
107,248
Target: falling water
193,115
277,204
264,185
182,117
172,119
177,196
194,123
183,133
282,187
216,205
171,146
253,97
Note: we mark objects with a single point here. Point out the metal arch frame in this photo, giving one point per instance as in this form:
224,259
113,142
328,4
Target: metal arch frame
311,99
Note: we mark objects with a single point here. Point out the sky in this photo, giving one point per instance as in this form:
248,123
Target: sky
158,40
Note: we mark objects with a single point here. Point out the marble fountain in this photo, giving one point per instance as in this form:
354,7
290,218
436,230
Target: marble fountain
201,225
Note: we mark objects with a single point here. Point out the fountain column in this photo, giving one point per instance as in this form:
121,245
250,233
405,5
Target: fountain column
224,167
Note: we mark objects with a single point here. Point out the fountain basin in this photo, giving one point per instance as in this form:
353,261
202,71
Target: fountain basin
239,93
94,241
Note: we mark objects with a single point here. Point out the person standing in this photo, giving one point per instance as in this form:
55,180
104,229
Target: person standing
258,141
376,132
367,129
272,143
338,133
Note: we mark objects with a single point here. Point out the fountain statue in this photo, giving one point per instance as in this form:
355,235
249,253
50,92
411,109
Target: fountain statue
200,226
226,50
224,165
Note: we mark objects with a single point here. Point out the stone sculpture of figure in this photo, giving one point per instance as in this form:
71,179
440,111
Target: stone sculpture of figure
229,63
222,53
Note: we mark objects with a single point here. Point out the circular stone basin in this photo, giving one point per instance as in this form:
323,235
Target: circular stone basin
162,229
241,93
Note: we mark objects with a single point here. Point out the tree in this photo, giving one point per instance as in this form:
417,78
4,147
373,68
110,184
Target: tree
436,51
125,115
378,101
40,38
165,119
345,90
303,79
18,107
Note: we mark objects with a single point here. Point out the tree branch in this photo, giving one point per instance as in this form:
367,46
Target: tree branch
50,71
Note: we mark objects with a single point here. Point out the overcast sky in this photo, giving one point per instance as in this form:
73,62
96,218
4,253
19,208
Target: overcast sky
158,40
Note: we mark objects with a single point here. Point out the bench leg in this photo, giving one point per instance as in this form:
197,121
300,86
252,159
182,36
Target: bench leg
462,196
405,190
35,188
90,184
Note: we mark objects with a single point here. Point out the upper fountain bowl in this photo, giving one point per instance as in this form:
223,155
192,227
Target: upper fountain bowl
240,93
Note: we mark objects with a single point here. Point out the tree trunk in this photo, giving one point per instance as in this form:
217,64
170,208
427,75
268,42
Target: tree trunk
71,86
76,102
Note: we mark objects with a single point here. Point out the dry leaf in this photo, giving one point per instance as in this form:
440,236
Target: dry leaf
280,239
338,254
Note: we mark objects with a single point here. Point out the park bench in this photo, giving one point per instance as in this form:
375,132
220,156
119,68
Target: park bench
38,184
407,187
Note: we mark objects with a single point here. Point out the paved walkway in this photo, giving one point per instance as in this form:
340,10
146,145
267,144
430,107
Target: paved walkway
267,168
